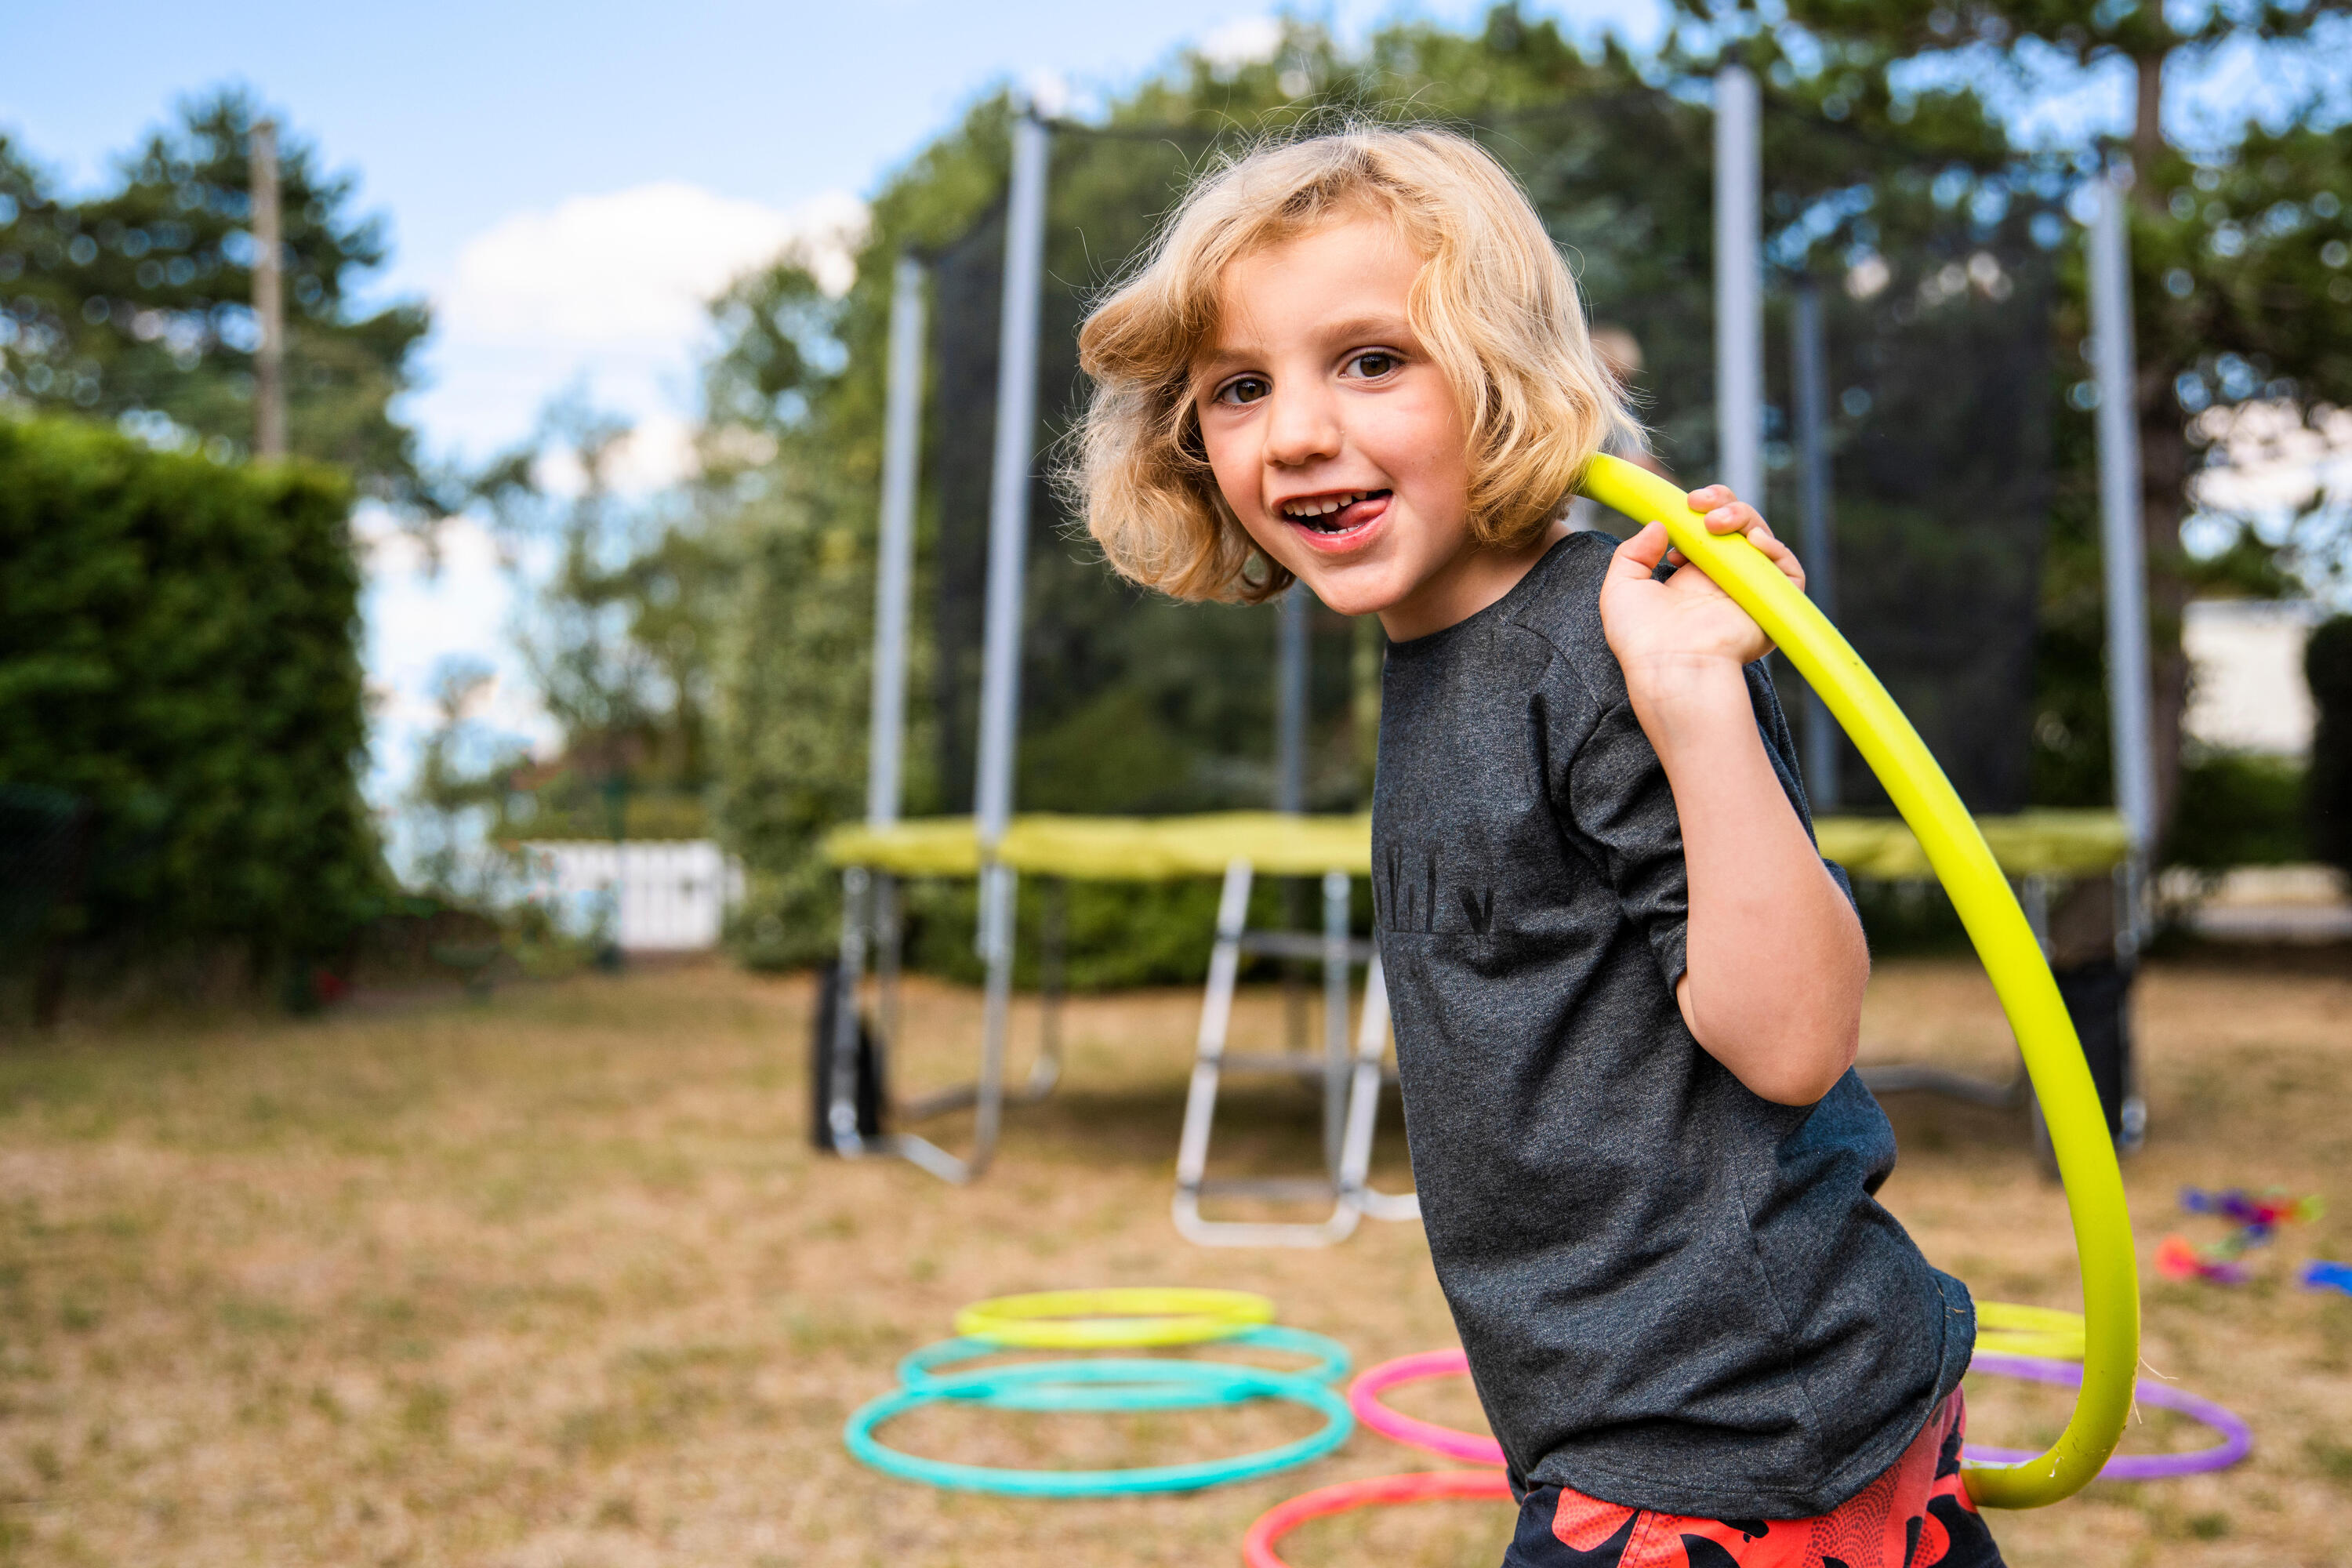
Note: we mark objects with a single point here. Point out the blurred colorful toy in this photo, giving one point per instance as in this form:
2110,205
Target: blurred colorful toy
2177,1258
2320,1275
2259,1216
2263,1212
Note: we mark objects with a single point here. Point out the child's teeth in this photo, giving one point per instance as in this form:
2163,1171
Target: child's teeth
1305,511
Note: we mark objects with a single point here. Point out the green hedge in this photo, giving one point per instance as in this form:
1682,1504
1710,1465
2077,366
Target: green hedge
2327,664
179,652
2237,810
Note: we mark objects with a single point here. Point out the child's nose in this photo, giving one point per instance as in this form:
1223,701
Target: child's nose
1304,428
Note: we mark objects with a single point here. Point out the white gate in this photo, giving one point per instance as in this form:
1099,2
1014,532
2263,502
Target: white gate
654,897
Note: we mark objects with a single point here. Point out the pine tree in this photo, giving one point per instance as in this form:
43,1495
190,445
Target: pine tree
136,305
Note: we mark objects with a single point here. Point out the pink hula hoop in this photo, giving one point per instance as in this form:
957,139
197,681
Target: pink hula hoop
1257,1545
1364,1399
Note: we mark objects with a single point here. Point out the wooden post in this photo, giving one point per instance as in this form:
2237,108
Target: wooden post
268,298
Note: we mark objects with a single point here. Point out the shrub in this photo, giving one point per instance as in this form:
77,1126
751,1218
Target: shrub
179,653
2237,810
2327,665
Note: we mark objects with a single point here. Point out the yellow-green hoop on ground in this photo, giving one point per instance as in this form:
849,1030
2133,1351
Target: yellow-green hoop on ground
1127,1318
2005,1327
2012,957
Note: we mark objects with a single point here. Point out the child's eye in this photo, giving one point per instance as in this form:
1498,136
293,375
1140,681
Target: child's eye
1243,389
1374,364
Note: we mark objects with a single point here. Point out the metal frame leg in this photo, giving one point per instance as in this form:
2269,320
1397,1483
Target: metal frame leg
2131,897
1335,888
870,910
1045,1072
841,1113
1364,1108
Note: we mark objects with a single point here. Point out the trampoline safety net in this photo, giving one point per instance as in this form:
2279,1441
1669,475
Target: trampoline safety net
1936,340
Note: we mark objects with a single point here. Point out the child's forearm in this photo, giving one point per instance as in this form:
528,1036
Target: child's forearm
1776,959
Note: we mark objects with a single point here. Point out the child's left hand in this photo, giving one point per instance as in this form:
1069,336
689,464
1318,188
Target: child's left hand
1663,633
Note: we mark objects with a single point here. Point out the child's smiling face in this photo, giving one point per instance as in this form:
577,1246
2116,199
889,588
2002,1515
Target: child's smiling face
1334,437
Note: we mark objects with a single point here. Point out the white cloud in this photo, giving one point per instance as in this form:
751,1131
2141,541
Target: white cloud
1243,41
1048,91
630,270
605,294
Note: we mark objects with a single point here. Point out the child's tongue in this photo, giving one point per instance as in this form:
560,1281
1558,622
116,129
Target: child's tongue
1355,514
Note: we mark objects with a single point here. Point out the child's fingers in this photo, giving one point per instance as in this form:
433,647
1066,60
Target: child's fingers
1780,554
1736,516
1638,556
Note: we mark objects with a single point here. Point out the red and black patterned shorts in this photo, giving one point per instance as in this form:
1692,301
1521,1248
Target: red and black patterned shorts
1915,1515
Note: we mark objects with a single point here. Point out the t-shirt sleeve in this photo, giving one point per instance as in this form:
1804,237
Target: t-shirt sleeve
1622,812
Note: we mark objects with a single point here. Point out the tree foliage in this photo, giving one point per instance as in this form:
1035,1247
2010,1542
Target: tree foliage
618,641
135,304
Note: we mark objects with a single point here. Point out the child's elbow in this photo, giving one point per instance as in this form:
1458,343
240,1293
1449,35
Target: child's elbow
1810,1053
1799,1077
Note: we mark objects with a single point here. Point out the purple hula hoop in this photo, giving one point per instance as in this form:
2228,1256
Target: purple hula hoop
2237,1438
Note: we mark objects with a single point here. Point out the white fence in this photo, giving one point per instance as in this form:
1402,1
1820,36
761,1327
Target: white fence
2249,693
656,897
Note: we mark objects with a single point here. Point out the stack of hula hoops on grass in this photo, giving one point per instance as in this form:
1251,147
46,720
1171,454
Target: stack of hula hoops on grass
2035,1343
1115,1320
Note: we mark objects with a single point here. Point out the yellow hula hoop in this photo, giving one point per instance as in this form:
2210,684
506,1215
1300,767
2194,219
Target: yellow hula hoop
2004,1328
1128,1318
2004,942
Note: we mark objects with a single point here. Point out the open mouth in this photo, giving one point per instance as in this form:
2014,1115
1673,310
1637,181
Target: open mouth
1338,512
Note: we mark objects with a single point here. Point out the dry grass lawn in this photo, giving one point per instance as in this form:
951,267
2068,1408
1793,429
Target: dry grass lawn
555,1280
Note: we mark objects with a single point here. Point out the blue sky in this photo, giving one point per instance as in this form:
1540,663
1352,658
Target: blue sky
457,113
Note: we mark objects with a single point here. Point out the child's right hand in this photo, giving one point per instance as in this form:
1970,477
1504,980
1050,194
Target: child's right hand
1685,630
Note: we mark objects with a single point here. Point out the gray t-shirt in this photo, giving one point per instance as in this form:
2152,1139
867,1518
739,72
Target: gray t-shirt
1675,1294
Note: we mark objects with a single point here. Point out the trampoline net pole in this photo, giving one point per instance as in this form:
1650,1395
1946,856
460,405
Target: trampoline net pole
1812,398
2122,547
894,547
1008,550
1009,481
1738,286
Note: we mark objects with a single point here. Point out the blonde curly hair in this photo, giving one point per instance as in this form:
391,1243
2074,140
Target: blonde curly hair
1493,304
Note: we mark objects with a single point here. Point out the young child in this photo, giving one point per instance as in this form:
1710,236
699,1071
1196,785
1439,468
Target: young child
1626,988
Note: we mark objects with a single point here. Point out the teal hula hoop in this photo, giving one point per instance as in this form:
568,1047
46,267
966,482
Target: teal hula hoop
1136,1383
1248,1381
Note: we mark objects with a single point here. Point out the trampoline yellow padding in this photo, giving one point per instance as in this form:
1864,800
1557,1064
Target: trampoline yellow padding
2030,844
1962,860
1127,1317
1161,848
1118,849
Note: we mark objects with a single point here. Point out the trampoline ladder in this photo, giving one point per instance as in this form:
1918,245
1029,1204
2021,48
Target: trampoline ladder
1351,1086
